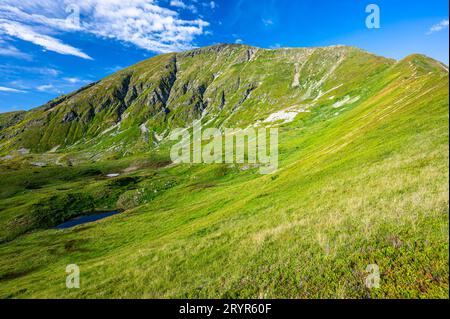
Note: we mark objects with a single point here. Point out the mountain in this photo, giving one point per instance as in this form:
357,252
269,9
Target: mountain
225,85
361,189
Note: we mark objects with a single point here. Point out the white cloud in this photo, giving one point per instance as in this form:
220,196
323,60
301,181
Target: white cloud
9,50
238,41
267,22
76,80
143,23
19,70
26,33
438,26
72,80
45,87
180,4
11,90
47,71
212,5
13,12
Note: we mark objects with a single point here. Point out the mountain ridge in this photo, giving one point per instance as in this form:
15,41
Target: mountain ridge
173,89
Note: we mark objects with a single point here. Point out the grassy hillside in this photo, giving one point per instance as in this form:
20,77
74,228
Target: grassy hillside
362,179
227,85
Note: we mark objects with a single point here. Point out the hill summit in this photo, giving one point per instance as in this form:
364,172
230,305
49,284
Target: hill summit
226,85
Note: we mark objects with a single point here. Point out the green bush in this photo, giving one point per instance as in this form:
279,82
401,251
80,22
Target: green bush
130,199
60,208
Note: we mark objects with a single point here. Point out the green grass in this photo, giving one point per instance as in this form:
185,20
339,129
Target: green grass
366,186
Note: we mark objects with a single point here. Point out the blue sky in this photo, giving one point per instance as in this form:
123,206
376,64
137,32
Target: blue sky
52,47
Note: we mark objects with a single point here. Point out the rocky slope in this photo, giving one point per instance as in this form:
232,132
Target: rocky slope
225,85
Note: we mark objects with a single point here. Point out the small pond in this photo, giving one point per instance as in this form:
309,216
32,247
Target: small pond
85,219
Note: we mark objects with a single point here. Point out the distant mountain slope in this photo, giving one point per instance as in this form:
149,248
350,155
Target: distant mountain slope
226,85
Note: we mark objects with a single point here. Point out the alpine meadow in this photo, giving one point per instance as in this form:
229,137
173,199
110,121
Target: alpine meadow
356,208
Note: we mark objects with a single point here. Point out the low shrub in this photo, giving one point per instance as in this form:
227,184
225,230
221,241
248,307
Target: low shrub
60,208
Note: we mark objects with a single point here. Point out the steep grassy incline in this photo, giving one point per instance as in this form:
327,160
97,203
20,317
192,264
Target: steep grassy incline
361,181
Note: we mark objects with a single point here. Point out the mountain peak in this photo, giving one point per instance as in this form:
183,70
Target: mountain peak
228,85
423,63
217,48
